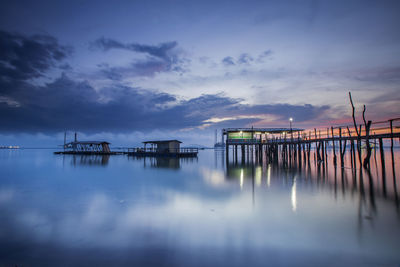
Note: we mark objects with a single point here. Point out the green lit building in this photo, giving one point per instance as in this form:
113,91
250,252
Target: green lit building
254,136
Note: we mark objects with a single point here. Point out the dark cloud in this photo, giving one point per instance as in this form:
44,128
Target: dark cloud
162,51
263,55
26,57
65,67
228,61
109,72
164,57
245,58
65,104
147,68
69,105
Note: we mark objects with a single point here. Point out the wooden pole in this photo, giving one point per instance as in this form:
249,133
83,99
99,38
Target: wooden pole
243,153
392,154
383,166
340,147
333,146
358,131
351,147
359,147
236,153
317,145
367,126
327,143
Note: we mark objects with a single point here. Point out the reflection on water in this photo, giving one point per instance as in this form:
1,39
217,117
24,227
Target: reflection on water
206,212
368,184
163,162
90,160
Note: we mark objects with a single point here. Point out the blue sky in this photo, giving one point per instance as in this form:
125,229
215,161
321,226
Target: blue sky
127,71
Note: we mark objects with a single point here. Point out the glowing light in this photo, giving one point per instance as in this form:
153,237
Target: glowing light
241,179
258,175
213,177
294,199
290,119
269,175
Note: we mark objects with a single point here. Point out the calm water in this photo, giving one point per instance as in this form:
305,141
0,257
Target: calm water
117,211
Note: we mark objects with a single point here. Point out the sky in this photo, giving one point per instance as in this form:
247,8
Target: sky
128,71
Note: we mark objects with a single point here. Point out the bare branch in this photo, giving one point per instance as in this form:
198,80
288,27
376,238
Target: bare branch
365,122
353,115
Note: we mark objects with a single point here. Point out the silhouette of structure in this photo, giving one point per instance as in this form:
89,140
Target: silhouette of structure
86,147
163,148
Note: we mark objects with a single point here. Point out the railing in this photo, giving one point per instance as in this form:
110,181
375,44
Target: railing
388,127
384,129
155,150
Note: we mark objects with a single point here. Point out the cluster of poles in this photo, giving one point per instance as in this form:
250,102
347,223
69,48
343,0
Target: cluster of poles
338,138
364,136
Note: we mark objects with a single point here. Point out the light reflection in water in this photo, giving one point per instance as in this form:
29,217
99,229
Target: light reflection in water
258,175
241,178
293,196
134,209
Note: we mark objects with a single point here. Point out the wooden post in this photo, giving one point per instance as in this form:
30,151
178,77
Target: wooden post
383,166
392,154
391,134
351,147
359,146
367,126
317,145
327,143
243,153
227,151
236,152
354,153
358,131
340,147
333,146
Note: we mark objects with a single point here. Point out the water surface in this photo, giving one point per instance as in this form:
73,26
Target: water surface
69,210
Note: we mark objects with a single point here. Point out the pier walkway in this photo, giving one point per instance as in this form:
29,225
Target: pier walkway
294,142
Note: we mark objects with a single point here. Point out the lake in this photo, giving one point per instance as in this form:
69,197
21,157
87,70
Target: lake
65,210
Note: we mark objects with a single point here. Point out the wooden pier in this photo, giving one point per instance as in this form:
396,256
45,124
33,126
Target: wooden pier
290,143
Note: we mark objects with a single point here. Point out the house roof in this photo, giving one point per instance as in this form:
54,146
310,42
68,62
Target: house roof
160,141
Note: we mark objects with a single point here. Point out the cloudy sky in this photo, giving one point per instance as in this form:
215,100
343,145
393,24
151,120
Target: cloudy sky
126,71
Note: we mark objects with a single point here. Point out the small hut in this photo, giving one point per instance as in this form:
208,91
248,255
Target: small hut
163,148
